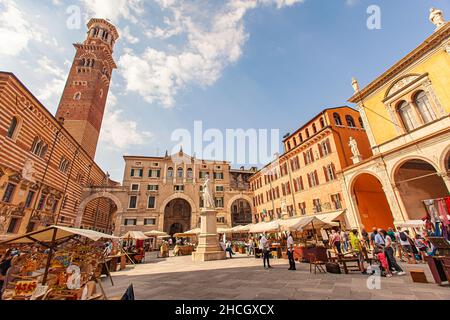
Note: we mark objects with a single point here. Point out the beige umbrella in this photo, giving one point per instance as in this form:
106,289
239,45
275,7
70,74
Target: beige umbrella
135,235
156,233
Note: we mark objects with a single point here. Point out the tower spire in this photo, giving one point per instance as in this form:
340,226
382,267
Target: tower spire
84,97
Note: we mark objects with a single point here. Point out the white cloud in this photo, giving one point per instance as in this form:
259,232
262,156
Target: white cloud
15,30
54,86
119,133
115,9
126,34
215,37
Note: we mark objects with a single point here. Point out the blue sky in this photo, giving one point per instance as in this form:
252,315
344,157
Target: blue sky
231,64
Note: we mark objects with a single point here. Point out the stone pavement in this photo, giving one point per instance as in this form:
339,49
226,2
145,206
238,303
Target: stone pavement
243,278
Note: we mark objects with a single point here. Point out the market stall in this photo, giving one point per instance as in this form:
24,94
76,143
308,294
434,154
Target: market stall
56,263
154,236
135,246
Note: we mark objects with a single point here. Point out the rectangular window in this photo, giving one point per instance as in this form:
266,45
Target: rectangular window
219,202
220,189
302,207
9,192
133,202
151,203
152,187
203,174
336,198
41,202
29,199
130,222
135,187
150,222
14,225
154,174
178,188
137,172
218,176
317,205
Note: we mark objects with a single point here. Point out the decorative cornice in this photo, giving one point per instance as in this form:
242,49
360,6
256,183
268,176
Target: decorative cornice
431,43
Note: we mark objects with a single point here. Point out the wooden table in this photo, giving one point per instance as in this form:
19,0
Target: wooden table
344,260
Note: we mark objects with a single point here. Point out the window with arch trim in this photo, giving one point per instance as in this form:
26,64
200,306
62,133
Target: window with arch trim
13,128
77,96
180,173
39,148
170,173
314,127
361,122
337,119
424,107
322,123
406,113
350,121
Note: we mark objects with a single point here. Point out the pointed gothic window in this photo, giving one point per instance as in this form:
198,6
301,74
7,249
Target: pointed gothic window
77,96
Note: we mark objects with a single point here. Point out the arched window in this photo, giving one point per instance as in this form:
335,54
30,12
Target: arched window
180,173
424,106
190,173
301,137
43,151
77,96
361,122
39,148
170,173
289,145
337,119
350,121
295,141
12,128
406,113
307,133
322,123
314,128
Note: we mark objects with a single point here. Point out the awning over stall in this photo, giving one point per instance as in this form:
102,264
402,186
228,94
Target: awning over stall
331,218
411,224
261,227
135,235
156,233
56,233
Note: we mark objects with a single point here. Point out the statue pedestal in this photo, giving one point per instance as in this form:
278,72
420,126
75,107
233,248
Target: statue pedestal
208,248
357,159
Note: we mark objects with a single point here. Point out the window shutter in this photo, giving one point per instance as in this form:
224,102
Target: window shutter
304,157
317,177
132,172
320,150
309,180
295,185
325,171
329,146
301,184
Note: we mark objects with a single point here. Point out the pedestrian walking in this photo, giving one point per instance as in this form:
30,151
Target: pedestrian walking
265,248
290,252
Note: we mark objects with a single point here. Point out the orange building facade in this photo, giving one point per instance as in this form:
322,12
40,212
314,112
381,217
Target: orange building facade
303,180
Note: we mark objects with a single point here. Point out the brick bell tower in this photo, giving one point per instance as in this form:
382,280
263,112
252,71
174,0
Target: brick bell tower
83,101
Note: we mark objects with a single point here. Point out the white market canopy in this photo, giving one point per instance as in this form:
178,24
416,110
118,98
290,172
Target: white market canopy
135,235
411,224
156,233
223,230
261,227
240,229
57,233
194,231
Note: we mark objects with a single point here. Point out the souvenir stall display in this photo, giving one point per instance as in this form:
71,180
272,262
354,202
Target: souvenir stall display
438,216
56,263
184,246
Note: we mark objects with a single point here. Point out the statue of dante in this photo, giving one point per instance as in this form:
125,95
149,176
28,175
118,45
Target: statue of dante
208,200
437,17
354,147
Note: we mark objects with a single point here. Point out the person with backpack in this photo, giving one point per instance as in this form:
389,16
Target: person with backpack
389,253
422,246
406,246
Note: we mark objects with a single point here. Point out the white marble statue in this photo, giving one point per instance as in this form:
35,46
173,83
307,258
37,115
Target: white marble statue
28,170
437,17
208,199
354,147
355,85
283,206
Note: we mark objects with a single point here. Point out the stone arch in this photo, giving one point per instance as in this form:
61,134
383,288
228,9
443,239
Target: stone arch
444,160
370,201
178,196
230,208
87,200
405,159
418,178
237,197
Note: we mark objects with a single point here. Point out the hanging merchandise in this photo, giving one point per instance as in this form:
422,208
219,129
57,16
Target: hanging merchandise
443,211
